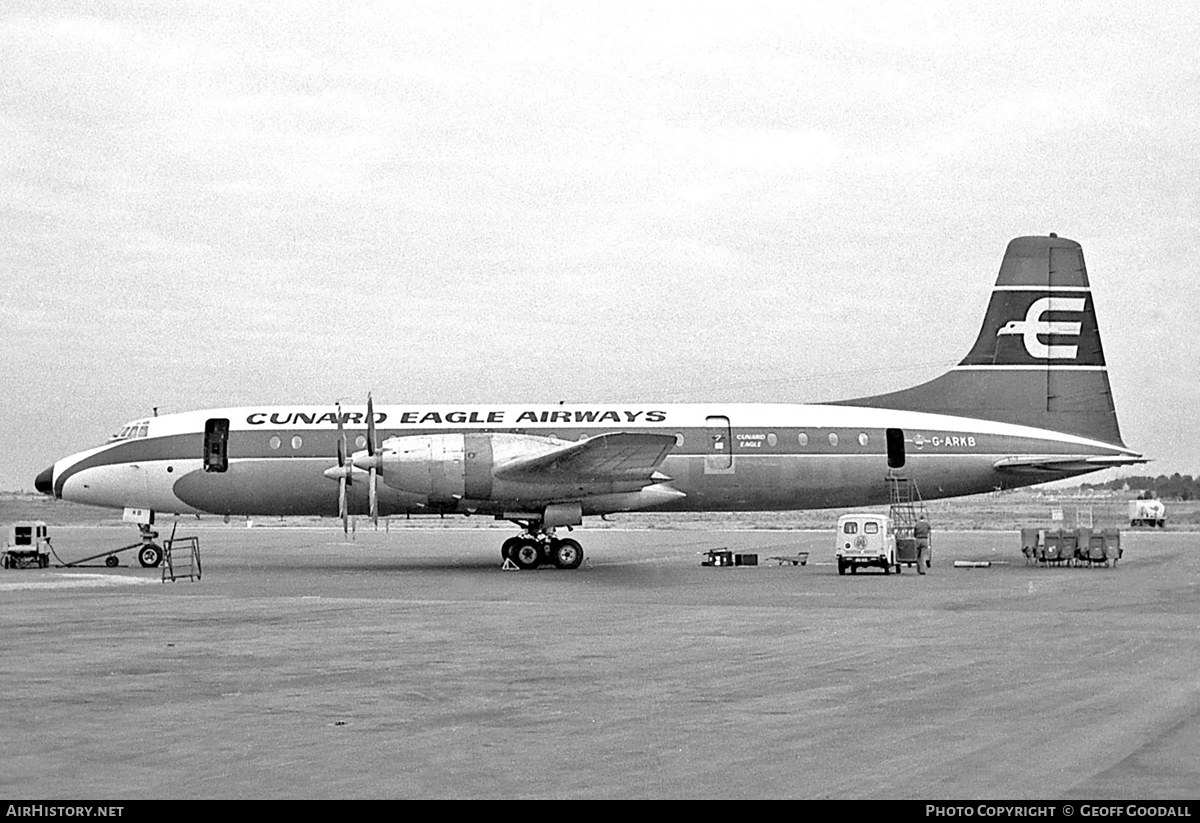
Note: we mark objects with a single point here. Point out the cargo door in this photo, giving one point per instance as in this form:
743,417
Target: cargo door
718,458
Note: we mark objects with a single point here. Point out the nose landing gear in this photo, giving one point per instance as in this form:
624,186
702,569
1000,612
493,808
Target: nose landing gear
149,553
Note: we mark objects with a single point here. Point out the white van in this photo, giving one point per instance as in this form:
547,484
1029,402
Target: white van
866,540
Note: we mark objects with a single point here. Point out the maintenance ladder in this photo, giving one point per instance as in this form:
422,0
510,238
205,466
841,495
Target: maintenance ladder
906,504
181,558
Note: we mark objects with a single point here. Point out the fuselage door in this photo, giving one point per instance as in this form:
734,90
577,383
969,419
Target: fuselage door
718,459
895,448
216,444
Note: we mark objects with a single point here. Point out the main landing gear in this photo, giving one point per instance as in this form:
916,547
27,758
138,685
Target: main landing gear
538,546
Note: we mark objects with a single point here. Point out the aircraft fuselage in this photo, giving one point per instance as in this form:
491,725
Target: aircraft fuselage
726,457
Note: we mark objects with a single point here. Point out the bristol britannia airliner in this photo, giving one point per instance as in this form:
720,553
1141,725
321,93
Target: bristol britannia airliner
1029,403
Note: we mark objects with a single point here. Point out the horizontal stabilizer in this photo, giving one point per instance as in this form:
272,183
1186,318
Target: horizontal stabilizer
618,456
1065,463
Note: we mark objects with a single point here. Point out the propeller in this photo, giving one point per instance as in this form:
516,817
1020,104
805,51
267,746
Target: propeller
373,463
344,473
347,478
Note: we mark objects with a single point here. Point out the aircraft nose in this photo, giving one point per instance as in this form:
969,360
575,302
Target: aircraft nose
45,482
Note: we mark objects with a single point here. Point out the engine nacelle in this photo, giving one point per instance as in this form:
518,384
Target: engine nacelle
445,468
428,464
449,467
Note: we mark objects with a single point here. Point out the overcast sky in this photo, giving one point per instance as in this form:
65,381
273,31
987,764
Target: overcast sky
224,204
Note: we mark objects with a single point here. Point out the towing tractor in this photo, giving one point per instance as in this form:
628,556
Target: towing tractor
28,546
866,540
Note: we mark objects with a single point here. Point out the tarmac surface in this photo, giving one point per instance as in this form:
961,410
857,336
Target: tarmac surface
409,665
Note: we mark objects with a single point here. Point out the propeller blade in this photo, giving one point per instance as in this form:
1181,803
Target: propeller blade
344,473
342,450
374,497
370,425
345,515
372,450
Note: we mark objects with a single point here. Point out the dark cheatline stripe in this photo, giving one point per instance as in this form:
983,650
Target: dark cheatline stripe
173,447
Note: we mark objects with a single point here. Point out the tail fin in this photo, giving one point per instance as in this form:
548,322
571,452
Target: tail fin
1038,359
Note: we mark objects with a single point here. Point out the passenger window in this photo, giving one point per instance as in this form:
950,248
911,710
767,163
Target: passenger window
870,528
850,528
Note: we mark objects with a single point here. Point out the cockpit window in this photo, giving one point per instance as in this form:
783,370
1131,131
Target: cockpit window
138,428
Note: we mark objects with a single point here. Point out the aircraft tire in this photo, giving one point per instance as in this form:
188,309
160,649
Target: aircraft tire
841,566
527,554
566,554
509,546
111,561
887,568
150,556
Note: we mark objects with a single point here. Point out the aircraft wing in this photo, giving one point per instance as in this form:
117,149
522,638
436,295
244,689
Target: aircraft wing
613,457
1065,462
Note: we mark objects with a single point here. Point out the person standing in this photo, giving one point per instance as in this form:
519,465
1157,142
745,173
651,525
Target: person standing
921,532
